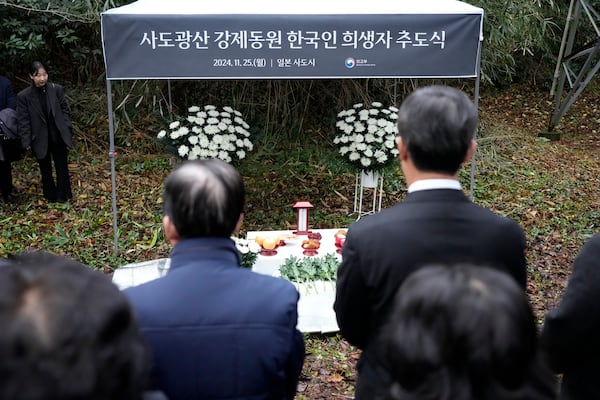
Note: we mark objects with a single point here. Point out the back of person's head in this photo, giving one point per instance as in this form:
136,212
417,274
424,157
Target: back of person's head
464,332
204,198
437,125
67,333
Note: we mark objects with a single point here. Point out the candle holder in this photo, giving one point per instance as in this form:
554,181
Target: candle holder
302,211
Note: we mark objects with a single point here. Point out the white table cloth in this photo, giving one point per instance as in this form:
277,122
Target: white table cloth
315,307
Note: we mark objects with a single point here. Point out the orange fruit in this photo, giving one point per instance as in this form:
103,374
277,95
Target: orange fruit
259,240
270,243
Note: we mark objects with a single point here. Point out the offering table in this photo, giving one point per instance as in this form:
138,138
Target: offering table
315,306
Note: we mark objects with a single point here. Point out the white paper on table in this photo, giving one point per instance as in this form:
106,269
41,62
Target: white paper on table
315,307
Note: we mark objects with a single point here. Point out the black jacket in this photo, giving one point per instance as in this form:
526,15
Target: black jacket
570,333
33,124
439,226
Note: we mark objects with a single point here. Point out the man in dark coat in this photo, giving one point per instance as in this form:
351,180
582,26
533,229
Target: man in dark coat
216,330
44,124
435,224
570,332
7,101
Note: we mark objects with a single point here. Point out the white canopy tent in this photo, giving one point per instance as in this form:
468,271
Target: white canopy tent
310,39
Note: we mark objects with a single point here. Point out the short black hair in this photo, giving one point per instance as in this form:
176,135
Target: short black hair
463,332
67,333
204,198
35,67
437,125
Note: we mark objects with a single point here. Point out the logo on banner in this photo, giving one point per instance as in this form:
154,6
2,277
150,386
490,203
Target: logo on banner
350,62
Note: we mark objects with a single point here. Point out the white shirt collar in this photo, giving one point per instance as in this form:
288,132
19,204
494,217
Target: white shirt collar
431,184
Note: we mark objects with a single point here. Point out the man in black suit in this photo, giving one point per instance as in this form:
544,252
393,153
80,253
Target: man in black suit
435,224
570,333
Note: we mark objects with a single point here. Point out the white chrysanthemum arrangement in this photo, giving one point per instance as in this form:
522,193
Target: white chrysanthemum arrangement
248,250
366,136
208,133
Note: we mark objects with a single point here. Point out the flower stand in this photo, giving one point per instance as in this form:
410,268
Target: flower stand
369,184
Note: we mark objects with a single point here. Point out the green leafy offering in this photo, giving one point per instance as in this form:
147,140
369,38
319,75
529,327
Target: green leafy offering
310,269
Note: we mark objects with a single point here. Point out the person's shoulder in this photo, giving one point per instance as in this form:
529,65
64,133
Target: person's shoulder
56,86
25,92
490,214
146,290
377,219
593,243
269,283
589,252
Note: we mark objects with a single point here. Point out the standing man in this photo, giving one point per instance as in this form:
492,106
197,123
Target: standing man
435,224
216,330
7,100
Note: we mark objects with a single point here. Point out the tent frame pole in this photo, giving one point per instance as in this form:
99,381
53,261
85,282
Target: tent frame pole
112,154
476,103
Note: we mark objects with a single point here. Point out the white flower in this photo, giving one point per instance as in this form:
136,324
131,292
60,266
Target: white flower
208,132
183,150
222,155
366,135
248,251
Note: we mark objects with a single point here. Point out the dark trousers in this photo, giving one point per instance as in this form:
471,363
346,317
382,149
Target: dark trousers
6,186
61,189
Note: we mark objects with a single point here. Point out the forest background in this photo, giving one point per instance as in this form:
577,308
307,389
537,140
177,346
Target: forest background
550,187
